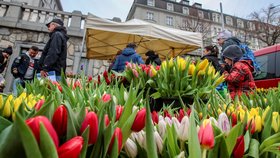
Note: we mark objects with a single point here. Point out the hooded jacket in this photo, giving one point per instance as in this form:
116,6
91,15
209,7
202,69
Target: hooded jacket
230,41
55,52
128,55
153,58
240,78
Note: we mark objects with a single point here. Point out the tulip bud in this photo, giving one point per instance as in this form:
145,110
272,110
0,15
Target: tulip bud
106,98
206,135
162,128
176,124
39,104
115,100
223,123
258,123
119,110
125,96
213,121
166,114
72,148
91,120
168,121
183,132
107,120
181,115
7,107
233,119
139,121
117,134
155,117
34,125
59,120
275,121
131,148
159,142
135,73
238,150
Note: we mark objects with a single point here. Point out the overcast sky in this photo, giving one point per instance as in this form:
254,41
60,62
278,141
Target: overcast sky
120,8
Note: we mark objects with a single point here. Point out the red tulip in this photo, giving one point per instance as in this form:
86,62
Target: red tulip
181,115
107,120
57,85
189,112
119,110
155,117
117,134
89,78
59,120
238,150
71,148
106,98
233,119
139,121
39,104
91,120
166,114
77,83
34,125
206,136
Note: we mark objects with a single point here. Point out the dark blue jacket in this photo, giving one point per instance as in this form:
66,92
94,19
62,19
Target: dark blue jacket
22,64
128,55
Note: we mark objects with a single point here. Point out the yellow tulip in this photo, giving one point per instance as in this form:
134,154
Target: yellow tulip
267,109
152,72
241,114
23,95
181,63
275,121
258,123
7,107
203,64
163,65
1,101
211,71
254,112
201,72
17,103
219,80
219,111
170,63
191,69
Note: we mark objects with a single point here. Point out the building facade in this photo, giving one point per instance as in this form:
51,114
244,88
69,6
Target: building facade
192,17
22,26
48,4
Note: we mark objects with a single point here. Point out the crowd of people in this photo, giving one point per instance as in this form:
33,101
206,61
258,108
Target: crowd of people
237,70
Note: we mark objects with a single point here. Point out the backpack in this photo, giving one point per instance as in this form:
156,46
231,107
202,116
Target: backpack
248,54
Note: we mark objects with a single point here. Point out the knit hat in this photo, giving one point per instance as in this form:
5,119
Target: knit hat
225,34
233,52
131,45
150,53
8,50
58,21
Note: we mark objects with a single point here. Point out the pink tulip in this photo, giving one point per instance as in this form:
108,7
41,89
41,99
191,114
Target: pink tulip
34,125
91,120
72,148
39,104
117,134
106,98
59,120
107,120
206,136
119,110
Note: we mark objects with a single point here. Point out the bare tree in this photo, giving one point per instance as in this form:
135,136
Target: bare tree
196,24
267,22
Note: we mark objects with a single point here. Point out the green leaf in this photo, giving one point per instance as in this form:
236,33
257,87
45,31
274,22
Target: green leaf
194,145
267,126
232,137
114,151
85,136
4,123
71,129
150,140
126,130
28,139
269,141
219,148
254,149
47,146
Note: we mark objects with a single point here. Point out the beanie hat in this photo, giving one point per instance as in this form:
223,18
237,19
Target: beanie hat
131,45
58,21
8,50
225,34
233,52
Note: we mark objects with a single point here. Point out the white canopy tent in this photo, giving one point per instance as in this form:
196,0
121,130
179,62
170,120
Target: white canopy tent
104,38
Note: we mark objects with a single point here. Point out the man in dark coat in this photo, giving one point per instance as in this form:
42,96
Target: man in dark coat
4,56
55,52
152,58
128,55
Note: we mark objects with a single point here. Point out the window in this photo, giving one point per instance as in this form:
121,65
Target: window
200,14
186,10
170,6
150,16
169,21
216,17
251,25
267,64
185,2
151,3
240,23
229,20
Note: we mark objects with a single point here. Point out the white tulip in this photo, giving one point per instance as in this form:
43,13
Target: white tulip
159,142
162,128
168,121
115,100
181,155
176,124
130,148
213,121
125,96
183,132
160,117
223,123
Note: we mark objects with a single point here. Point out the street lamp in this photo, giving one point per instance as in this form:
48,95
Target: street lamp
272,7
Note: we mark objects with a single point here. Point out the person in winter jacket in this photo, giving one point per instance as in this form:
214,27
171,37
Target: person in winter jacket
55,52
4,56
152,58
240,78
128,55
211,54
24,67
225,39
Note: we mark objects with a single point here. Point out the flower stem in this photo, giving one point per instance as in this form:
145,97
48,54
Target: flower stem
204,153
182,145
